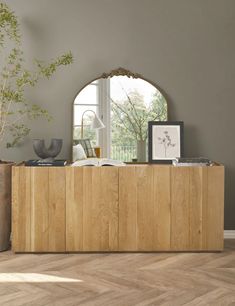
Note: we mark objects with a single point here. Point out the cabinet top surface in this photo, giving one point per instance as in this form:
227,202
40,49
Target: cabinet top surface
127,166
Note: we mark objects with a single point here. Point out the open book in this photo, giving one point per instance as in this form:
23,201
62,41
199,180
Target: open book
98,162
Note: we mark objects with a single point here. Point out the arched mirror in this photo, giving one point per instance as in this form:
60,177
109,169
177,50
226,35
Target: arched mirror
113,112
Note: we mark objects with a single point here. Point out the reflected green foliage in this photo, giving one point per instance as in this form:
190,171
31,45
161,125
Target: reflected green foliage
130,121
15,78
88,132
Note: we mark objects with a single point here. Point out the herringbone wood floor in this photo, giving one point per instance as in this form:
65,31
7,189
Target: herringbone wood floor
120,279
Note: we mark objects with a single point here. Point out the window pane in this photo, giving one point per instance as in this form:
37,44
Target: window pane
87,133
87,95
134,102
88,117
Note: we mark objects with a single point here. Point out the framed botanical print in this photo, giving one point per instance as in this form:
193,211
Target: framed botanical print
165,141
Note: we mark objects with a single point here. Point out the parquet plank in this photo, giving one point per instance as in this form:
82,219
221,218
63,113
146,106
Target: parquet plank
133,279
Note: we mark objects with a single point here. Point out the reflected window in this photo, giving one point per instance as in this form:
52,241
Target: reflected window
87,99
125,105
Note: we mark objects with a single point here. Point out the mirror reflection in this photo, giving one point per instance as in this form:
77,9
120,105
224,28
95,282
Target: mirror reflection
113,112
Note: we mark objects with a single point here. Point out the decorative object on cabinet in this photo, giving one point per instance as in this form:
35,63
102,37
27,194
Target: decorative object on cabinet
46,163
78,152
98,162
191,161
97,151
125,101
165,141
132,208
47,154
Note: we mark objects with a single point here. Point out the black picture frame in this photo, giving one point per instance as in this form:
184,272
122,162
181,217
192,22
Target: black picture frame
152,139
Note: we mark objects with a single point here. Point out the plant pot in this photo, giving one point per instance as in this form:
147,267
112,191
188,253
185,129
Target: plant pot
141,150
5,204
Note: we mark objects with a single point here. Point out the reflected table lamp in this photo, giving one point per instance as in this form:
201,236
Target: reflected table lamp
96,124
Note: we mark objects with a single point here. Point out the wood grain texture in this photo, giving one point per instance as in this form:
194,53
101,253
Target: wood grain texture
146,217
40,209
123,279
21,209
109,208
162,207
5,204
74,209
56,206
180,209
133,208
196,202
92,209
213,218
100,209
127,209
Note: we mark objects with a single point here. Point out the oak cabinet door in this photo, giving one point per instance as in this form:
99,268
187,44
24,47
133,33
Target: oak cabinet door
144,208
92,209
47,209
38,209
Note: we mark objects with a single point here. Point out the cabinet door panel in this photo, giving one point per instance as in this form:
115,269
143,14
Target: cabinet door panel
127,209
39,210
146,213
213,210
47,209
74,209
162,207
144,208
21,208
92,209
198,186
180,208
56,207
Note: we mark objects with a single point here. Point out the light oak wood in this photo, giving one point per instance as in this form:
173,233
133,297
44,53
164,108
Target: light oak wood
74,208
123,279
213,217
127,209
146,217
39,209
57,209
162,201
197,177
180,201
133,208
21,209
92,212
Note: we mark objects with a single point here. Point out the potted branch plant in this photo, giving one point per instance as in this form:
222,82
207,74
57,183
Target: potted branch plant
131,115
14,107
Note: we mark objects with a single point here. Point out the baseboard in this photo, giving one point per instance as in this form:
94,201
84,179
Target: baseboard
229,234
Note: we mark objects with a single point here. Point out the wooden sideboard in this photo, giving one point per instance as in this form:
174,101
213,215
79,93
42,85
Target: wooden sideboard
132,208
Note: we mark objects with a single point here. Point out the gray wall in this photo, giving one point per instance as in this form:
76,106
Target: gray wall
187,47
